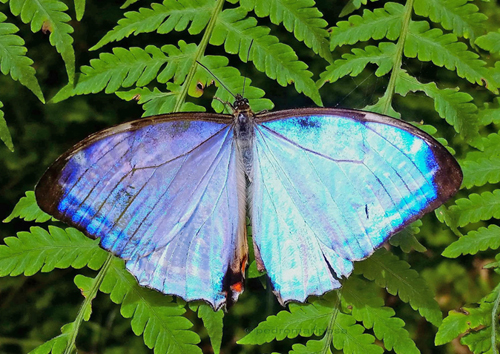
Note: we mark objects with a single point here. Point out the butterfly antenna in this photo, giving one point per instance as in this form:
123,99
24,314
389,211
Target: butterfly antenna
244,77
215,77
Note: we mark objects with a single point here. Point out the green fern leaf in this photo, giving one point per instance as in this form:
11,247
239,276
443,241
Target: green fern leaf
475,241
457,323
478,342
49,15
79,9
27,209
350,337
4,131
352,6
376,24
157,102
13,59
490,113
388,271
476,208
154,315
128,3
277,60
304,320
171,15
490,42
369,308
445,50
301,18
39,250
312,347
406,240
458,16
138,66
489,146
478,172
212,320
454,106
86,286
57,345
353,64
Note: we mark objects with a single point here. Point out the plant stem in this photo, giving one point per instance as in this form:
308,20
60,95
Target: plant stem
389,93
199,53
87,303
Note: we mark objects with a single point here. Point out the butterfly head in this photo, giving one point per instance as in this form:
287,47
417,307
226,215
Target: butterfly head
241,104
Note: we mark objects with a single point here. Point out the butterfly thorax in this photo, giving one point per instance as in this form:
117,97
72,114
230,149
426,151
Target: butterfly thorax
244,132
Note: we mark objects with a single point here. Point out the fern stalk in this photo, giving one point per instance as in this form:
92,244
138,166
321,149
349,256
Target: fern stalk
87,303
331,322
494,320
199,53
389,93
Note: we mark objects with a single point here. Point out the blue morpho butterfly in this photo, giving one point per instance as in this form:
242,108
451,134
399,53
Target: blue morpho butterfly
323,187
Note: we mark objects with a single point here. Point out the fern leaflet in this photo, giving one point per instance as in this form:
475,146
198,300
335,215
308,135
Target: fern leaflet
388,271
299,17
458,16
59,344
154,315
377,24
369,308
445,50
171,15
28,209
490,42
212,320
478,172
39,250
476,208
475,241
50,15
4,130
14,60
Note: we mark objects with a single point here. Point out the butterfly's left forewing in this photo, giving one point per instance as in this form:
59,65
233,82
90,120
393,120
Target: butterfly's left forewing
330,186
163,195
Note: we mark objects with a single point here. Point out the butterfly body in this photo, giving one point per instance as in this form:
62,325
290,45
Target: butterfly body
323,188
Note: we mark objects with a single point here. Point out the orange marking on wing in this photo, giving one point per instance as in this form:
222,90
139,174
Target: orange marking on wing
237,287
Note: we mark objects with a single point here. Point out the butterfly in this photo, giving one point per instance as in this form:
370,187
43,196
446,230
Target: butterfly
323,187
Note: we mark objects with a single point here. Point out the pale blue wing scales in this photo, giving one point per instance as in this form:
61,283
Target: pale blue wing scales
328,190
161,196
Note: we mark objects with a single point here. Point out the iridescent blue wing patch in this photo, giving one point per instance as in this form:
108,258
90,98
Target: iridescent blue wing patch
154,192
330,186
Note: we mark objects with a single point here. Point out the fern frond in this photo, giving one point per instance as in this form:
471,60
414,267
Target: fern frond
13,58
445,50
300,319
212,320
124,68
489,146
27,209
353,64
39,250
79,9
490,42
312,346
454,106
490,113
50,15
476,208
478,172
349,337
154,315
57,345
377,24
171,15
406,240
389,272
4,131
475,241
369,308
277,60
301,18
475,322
459,16
128,3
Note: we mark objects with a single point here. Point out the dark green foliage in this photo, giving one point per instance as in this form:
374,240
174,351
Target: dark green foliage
435,62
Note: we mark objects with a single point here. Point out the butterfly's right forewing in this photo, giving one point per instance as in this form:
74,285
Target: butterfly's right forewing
163,195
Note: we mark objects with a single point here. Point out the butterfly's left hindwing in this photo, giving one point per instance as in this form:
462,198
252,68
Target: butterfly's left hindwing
154,193
330,186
